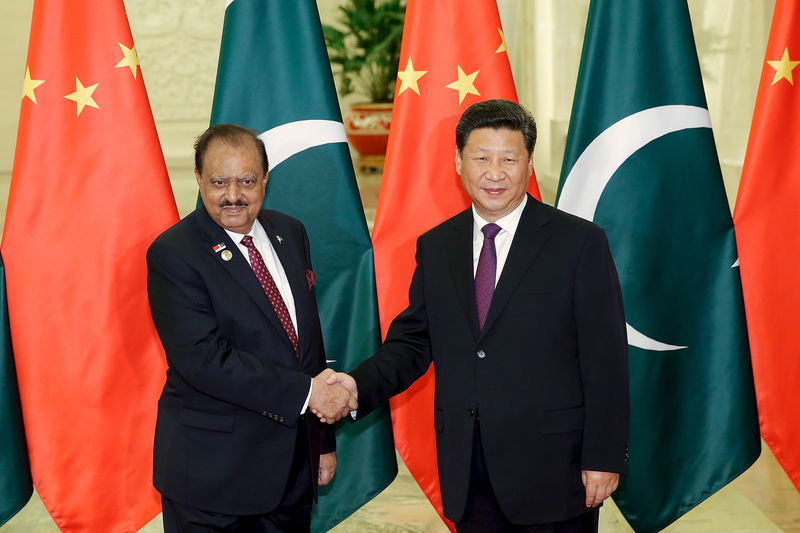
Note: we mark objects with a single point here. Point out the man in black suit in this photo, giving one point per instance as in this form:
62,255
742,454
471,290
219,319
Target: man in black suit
232,296
519,307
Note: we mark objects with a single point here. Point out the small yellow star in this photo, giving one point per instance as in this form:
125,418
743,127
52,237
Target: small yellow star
129,59
83,96
29,86
502,47
783,68
465,84
409,78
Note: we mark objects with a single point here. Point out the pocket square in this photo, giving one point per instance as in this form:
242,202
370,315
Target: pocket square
311,278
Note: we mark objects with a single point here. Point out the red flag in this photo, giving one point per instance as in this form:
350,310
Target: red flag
767,221
89,192
451,58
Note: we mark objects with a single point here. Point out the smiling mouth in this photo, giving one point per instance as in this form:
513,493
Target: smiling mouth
494,192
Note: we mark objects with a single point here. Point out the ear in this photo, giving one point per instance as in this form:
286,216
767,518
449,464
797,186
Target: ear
265,180
458,162
530,165
198,177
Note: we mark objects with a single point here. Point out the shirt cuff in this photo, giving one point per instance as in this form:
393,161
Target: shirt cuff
308,398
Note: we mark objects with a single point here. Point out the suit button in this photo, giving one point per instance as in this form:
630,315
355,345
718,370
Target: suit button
481,354
470,412
280,419
264,413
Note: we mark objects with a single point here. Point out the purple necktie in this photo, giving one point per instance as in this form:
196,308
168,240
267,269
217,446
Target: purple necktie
273,294
486,272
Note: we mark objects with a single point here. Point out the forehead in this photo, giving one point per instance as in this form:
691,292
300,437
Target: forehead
222,155
495,139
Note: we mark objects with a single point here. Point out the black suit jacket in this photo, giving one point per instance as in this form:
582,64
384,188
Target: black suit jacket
548,373
229,412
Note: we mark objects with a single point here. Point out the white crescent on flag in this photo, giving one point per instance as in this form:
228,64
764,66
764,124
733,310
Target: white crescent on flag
284,141
594,168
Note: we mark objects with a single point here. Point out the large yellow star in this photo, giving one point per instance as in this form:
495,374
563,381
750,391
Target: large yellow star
83,96
465,84
783,67
29,86
409,78
502,47
129,59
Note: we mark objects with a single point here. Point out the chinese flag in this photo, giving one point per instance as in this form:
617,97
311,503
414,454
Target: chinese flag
767,222
89,192
451,58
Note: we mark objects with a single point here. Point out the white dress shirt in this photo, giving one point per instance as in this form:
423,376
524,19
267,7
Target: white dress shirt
267,251
502,242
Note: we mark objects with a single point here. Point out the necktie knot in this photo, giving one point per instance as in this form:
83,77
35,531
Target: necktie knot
490,230
247,240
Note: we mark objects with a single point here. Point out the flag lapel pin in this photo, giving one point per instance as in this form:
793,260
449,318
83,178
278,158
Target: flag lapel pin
219,247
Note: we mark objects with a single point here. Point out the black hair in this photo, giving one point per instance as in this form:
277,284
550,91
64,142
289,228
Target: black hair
496,114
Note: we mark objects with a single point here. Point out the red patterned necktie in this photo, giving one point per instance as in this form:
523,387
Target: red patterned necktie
268,284
486,272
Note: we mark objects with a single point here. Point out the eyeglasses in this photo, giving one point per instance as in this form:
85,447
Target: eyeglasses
247,183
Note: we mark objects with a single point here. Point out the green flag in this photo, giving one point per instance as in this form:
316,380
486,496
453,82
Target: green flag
15,473
641,162
274,77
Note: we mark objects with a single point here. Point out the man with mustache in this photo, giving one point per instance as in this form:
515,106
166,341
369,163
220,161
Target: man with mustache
232,296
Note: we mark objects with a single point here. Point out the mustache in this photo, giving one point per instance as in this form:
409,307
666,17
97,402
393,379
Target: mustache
237,203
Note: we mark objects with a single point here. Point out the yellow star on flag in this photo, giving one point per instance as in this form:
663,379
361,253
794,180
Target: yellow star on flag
409,78
29,86
783,67
465,84
129,59
83,96
502,47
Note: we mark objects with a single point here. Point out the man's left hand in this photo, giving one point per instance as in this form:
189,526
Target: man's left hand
327,467
599,486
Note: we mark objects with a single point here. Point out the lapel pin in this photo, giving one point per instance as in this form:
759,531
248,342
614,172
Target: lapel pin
227,255
279,239
219,247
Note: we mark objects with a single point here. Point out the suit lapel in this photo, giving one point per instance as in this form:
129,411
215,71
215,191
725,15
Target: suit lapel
531,235
237,267
460,256
295,273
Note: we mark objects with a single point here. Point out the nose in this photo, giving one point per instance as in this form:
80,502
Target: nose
232,191
495,171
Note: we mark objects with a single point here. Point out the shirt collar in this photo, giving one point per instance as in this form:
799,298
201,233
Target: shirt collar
507,223
257,232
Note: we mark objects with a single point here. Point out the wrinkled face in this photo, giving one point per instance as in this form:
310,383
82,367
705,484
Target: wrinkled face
232,184
495,169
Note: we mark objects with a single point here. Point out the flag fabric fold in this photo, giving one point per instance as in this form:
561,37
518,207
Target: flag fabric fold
450,58
640,161
89,192
274,77
16,486
767,225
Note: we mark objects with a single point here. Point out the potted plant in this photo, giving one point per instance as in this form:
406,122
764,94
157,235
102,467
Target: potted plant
367,51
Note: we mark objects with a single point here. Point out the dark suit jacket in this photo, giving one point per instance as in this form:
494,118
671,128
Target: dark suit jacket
229,412
548,373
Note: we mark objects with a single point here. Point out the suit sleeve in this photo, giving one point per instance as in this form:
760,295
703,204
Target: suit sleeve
187,325
602,351
327,431
405,355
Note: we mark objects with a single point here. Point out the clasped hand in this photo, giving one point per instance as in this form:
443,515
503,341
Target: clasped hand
332,396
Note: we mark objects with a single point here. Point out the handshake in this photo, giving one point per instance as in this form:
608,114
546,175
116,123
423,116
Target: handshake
333,396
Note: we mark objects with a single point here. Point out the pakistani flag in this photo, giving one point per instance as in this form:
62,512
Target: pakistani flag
274,77
15,474
641,162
